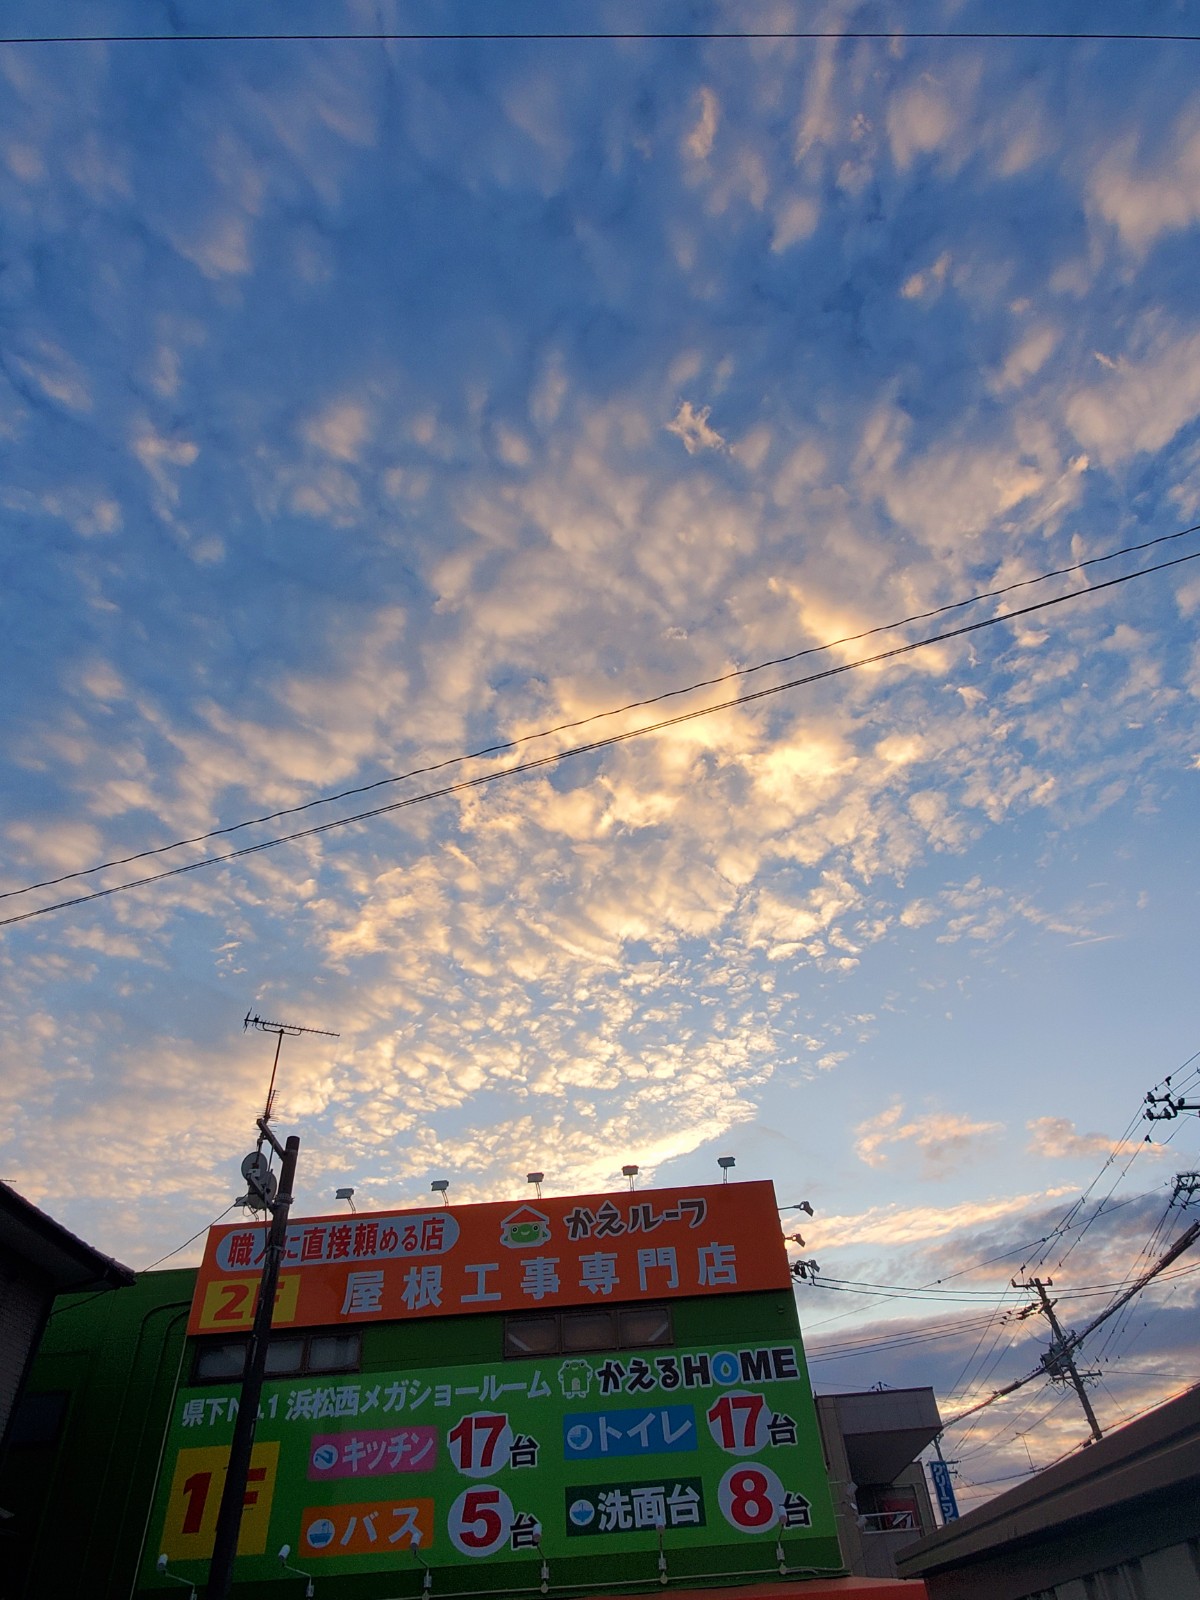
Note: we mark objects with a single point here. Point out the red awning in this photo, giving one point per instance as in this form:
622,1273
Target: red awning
803,1589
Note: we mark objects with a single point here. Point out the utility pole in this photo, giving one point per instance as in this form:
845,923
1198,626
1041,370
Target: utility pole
233,1496
1059,1360
263,1193
1073,1341
1172,1105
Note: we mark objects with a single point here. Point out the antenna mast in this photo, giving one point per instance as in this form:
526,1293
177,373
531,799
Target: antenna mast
282,1030
263,1193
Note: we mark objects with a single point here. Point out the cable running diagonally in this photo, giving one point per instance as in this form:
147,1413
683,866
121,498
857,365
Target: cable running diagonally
464,785
503,746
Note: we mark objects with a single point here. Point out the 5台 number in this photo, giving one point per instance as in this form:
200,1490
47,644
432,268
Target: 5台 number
479,1521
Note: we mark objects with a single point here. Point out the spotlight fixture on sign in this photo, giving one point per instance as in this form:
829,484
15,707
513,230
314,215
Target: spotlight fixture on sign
284,1553
535,1178
415,1547
629,1173
160,1566
439,1187
726,1163
348,1196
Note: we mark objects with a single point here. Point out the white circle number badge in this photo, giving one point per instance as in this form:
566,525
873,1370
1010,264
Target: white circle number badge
480,1521
751,1498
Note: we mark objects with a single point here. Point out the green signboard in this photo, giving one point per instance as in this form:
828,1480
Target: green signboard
467,1466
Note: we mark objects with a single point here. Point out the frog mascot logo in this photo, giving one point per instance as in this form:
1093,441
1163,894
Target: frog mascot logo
524,1227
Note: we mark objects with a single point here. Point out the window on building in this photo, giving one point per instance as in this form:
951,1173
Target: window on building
588,1329
219,1363
641,1325
224,1360
284,1356
333,1352
531,1336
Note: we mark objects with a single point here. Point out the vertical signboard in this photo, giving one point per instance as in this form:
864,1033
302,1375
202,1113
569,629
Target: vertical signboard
943,1489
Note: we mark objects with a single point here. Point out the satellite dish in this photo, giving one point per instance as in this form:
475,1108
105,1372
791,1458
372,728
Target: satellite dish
256,1169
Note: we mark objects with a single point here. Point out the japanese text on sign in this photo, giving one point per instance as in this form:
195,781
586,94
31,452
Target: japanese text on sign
499,1257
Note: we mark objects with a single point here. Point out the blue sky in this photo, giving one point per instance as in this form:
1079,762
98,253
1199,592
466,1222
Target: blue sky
365,404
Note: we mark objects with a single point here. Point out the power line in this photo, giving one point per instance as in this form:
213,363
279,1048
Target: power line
978,1297
1044,36
506,745
192,1240
464,785
77,1305
1064,1345
932,1335
960,1326
1066,1225
919,1292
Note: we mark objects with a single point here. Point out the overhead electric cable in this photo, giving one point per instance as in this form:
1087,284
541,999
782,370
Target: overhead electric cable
77,1305
1015,35
1115,1332
845,1351
464,785
987,1261
960,1325
505,745
1074,1340
980,1297
994,1326
192,1240
1069,1222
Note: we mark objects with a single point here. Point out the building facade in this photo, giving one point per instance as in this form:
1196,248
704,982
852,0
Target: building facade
872,1440
1119,1520
571,1396
39,1260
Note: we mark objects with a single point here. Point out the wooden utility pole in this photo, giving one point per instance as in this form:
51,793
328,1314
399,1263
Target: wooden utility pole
233,1496
1059,1360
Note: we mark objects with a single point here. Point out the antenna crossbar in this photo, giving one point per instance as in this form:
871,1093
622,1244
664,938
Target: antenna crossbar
282,1031
291,1029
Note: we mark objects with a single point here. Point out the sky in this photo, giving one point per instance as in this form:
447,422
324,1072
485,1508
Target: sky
366,405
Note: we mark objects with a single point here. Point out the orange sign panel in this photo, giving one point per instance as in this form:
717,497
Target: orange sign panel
388,1266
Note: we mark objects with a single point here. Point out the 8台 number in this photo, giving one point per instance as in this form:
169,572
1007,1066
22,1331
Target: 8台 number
751,1498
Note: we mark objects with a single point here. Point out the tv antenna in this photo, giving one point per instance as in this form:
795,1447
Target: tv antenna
282,1030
